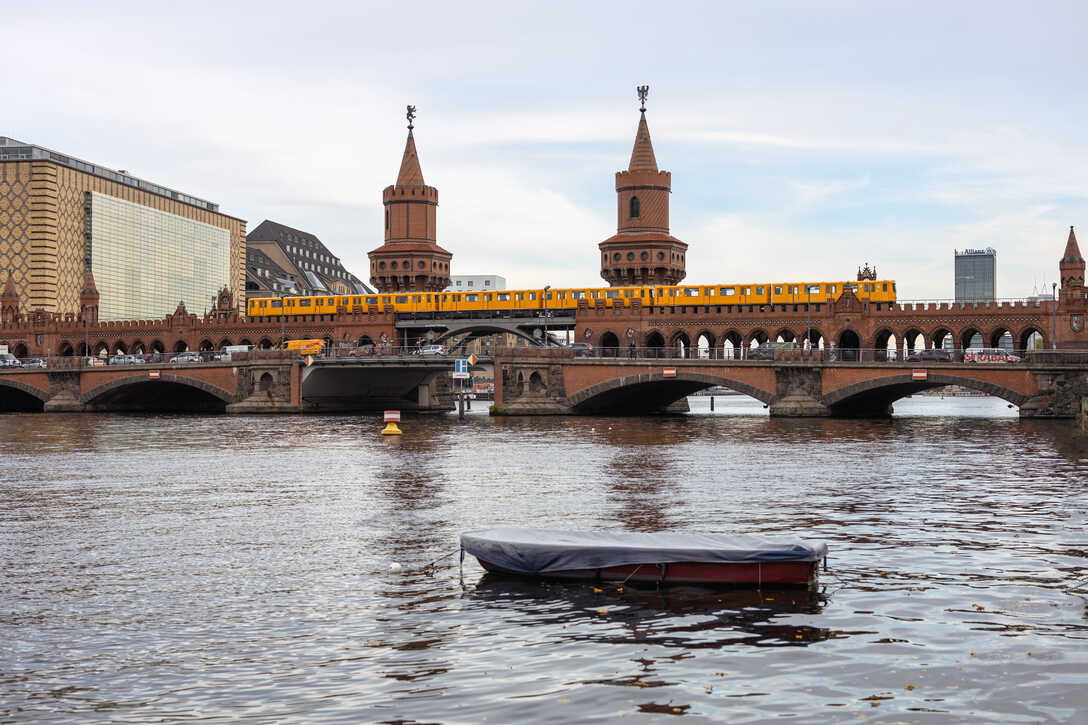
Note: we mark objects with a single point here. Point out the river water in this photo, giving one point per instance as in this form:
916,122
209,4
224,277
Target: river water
216,568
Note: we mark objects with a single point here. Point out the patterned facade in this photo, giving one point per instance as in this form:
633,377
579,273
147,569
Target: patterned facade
43,230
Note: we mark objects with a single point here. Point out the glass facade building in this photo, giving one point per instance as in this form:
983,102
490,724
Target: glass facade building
145,260
976,275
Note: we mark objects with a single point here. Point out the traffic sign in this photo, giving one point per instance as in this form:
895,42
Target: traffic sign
392,416
472,360
153,374
669,372
917,375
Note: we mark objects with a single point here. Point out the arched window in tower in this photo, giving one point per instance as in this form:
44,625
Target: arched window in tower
636,207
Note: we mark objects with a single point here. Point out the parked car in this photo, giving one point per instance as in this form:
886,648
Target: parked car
7,360
989,355
581,349
930,356
118,359
186,357
34,362
431,350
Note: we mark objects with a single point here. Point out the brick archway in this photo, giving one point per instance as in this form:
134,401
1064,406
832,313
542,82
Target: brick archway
7,382
907,382
683,380
104,388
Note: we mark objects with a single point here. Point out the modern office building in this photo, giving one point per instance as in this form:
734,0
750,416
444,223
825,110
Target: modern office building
148,247
475,282
976,275
285,261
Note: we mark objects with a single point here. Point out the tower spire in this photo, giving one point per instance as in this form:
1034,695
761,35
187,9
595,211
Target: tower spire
410,259
642,155
410,173
642,251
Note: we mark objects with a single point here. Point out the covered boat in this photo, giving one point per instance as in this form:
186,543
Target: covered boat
663,558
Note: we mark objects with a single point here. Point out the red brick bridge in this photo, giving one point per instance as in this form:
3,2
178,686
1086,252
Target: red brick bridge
542,382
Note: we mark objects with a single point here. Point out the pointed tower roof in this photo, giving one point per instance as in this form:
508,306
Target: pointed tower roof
9,286
410,173
88,283
642,155
1072,251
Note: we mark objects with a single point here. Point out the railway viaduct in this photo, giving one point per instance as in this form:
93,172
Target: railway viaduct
804,384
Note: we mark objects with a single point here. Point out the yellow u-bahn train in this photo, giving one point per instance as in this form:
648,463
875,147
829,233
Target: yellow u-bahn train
552,299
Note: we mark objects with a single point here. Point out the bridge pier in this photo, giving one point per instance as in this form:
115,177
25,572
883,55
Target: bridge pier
1059,395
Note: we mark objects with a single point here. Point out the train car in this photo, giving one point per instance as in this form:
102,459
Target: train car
570,298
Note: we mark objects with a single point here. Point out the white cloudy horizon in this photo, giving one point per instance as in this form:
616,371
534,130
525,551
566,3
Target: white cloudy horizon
803,141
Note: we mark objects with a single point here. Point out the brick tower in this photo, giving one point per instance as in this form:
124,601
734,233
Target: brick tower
1071,270
642,252
410,259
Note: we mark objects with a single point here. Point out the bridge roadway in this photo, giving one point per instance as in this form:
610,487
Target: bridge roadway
263,382
533,381
555,382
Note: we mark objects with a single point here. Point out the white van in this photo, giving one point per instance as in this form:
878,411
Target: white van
227,353
989,355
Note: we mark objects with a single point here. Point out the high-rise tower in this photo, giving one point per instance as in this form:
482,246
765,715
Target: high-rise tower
410,259
642,252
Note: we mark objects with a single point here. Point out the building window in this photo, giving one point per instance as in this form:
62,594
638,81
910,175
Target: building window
487,283
635,207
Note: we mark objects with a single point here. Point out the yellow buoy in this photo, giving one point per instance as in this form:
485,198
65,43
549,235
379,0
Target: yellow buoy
391,429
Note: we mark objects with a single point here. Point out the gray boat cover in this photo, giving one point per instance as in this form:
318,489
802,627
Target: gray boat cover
533,551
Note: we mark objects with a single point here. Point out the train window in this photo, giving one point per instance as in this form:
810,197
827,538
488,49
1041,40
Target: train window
264,303
759,290
385,299
885,286
746,290
331,301
372,300
778,289
472,298
532,295
400,299
692,292
578,294
304,303
487,297
831,288
277,303
417,298
503,296
728,291
611,294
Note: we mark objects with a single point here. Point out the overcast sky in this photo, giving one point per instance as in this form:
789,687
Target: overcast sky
803,141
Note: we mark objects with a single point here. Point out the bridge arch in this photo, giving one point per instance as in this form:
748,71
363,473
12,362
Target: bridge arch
942,339
1031,338
17,396
170,392
785,335
731,345
647,392
480,328
876,395
998,335
971,337
609,343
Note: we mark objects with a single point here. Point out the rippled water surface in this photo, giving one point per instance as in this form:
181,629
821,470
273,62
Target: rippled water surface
167,568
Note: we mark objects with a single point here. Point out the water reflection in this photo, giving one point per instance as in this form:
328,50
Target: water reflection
673,617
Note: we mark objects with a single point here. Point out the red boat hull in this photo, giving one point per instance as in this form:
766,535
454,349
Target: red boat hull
783,574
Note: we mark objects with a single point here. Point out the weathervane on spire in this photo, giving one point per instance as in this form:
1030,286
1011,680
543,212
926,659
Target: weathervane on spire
411,116
643,91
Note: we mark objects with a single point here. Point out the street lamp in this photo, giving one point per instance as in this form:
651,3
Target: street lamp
1054,324
87,332
808,308
283,323
546,288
